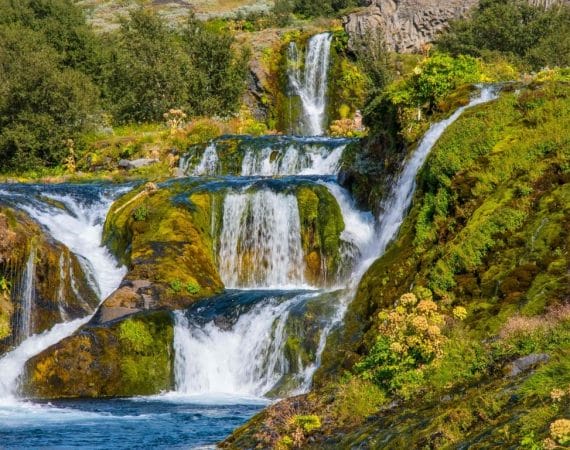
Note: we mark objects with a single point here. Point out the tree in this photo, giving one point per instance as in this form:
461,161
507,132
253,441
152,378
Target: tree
218,74
148,70
43,104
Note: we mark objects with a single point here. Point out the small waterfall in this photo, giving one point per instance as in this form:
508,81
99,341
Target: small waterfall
260,242
27,296
247,359
311,160
76,221
266,156
400,198
311,85
209,163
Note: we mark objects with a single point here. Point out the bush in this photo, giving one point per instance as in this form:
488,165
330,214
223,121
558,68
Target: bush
529,34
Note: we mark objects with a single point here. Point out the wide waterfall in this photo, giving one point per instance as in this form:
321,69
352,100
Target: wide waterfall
311,83
74,216
266,156
260,244
248,356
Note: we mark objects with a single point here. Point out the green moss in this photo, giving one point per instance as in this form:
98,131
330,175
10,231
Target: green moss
132,357
321,226
172,247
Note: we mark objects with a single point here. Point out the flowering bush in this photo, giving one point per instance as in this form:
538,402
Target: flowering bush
410,336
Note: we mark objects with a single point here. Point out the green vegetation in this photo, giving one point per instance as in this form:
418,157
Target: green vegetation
529,35
60,82
133,357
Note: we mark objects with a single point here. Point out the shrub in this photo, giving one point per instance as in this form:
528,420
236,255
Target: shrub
409,337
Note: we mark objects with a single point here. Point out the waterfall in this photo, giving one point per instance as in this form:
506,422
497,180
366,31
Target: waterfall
313,160
267,156
208,164
400,198
311,84
76,221
260,242
247,359
27,295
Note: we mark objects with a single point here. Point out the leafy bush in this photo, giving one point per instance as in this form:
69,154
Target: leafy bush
529,34
409,337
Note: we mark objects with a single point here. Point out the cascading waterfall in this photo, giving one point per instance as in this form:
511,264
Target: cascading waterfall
400,198
260,242
244,360
311,84
249,357
80,227
268,156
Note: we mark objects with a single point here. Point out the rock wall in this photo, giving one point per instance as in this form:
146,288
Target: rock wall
410,24
407,24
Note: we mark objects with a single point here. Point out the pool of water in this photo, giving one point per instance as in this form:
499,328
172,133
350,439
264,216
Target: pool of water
163,422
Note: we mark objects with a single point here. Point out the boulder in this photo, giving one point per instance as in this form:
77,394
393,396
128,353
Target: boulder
525,363
136,163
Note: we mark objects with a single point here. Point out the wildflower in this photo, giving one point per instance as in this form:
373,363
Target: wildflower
459,312
408,299
426,306
420,323
557,394
560,431
433,330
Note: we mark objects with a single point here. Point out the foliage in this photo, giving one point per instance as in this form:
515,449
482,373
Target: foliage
141,213
356,400
43,102
409,336
531,35
60,82
433,79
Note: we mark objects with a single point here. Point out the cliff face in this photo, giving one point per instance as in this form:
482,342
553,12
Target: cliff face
407,24
410,24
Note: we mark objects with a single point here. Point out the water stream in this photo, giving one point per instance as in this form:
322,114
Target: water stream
311,83
233,351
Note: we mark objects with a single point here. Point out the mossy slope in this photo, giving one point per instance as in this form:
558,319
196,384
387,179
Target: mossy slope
488,231
61,290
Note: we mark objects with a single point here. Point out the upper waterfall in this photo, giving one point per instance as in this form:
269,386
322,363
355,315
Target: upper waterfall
312,83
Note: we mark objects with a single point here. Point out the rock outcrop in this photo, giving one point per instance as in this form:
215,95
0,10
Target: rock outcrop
41,282
407,24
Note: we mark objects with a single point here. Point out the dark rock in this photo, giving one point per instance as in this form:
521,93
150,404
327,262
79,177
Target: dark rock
521,365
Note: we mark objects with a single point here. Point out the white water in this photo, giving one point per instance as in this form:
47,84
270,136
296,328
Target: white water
249,358
400,198
301,159
209,163
28,295
260,242
311,85
12,364
80,228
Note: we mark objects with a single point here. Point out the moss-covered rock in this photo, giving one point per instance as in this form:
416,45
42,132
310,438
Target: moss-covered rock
125,358
321,226
164,237
60,288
